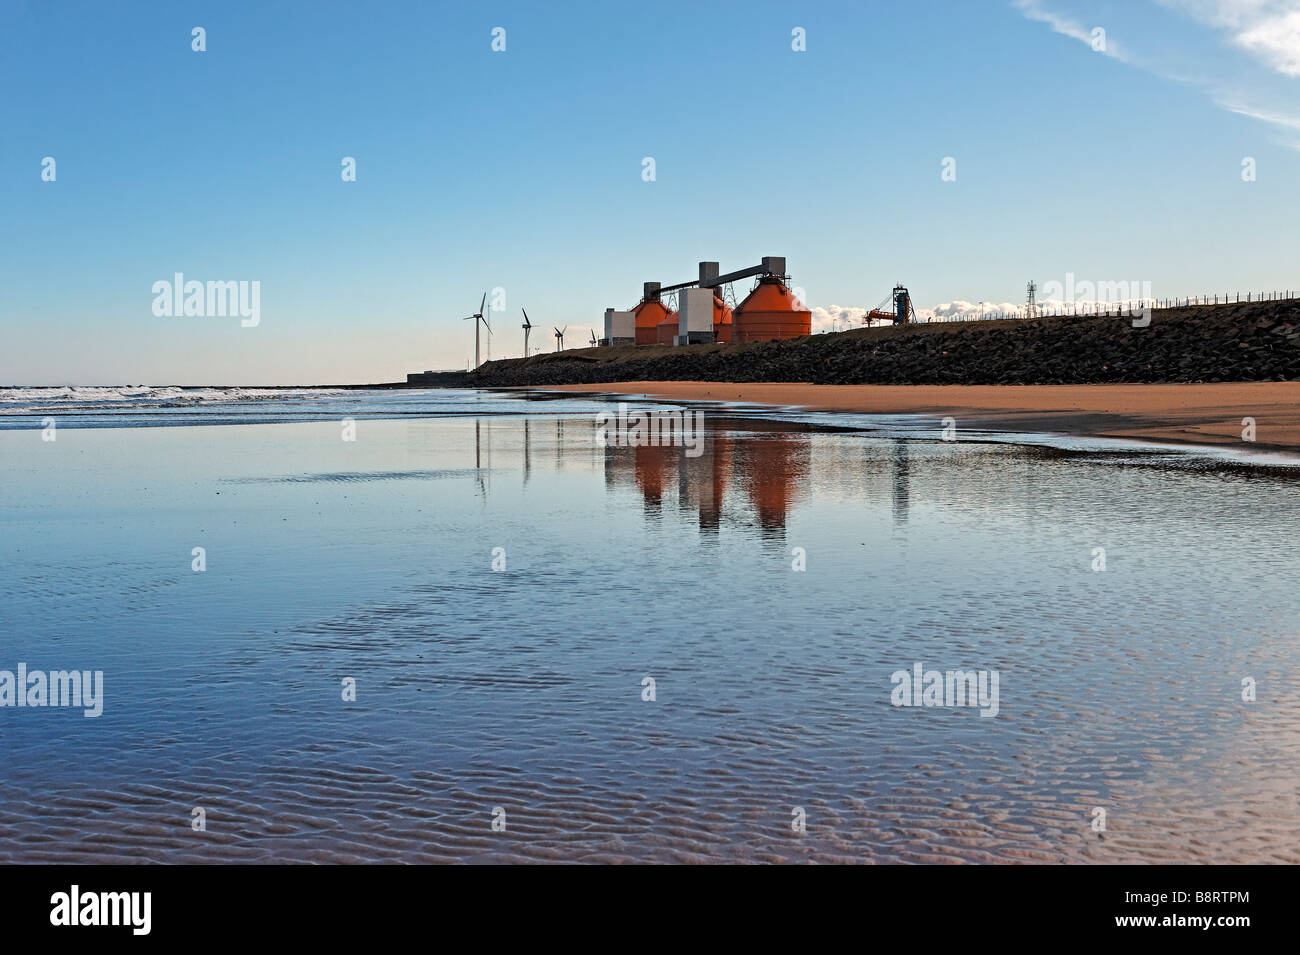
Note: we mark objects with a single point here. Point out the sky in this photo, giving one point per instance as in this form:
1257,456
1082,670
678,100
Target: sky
960,148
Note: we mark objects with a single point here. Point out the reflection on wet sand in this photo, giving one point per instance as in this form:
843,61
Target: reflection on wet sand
900,481
763,468
702,481
747,472
765,462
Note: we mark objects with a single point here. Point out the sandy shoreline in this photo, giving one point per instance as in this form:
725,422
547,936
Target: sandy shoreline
1204,414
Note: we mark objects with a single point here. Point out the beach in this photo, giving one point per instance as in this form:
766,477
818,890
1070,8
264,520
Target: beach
417,613
1201,414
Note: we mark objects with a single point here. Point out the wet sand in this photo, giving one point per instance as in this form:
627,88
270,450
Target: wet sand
1205,414
521,689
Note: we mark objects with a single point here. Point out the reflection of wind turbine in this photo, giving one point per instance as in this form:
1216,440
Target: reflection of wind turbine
479,317
527,468
528,326
559,338
482,468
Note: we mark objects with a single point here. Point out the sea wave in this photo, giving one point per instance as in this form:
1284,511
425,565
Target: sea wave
110,397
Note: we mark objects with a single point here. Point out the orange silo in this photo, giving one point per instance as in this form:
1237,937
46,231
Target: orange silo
722,320
666,333
770,311
649,316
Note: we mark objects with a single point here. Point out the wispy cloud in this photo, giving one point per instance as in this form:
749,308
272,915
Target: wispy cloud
1067,26
1277,119
1267,32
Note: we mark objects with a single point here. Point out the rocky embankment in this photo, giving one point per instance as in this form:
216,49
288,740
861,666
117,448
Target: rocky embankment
1257,341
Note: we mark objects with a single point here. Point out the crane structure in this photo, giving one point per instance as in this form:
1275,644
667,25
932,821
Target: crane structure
897,309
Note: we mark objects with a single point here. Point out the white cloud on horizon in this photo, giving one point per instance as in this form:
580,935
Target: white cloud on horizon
836,318
846,317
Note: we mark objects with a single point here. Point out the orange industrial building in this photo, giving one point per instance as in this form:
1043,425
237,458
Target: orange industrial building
722,324
770,311
649,315
666,333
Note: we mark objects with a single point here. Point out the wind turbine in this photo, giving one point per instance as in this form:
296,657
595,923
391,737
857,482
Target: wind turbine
527,328
559,338
478,317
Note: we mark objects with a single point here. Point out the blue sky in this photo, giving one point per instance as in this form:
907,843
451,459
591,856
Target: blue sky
522,169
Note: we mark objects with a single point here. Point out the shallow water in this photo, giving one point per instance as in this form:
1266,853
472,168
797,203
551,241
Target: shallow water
521,689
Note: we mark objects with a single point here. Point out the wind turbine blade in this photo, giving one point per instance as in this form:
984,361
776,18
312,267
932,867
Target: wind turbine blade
482,303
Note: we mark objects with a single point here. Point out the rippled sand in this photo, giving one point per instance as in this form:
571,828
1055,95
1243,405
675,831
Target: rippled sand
522,689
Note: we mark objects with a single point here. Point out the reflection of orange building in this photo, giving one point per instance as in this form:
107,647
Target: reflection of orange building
652,464
774,468
766,460
702,481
